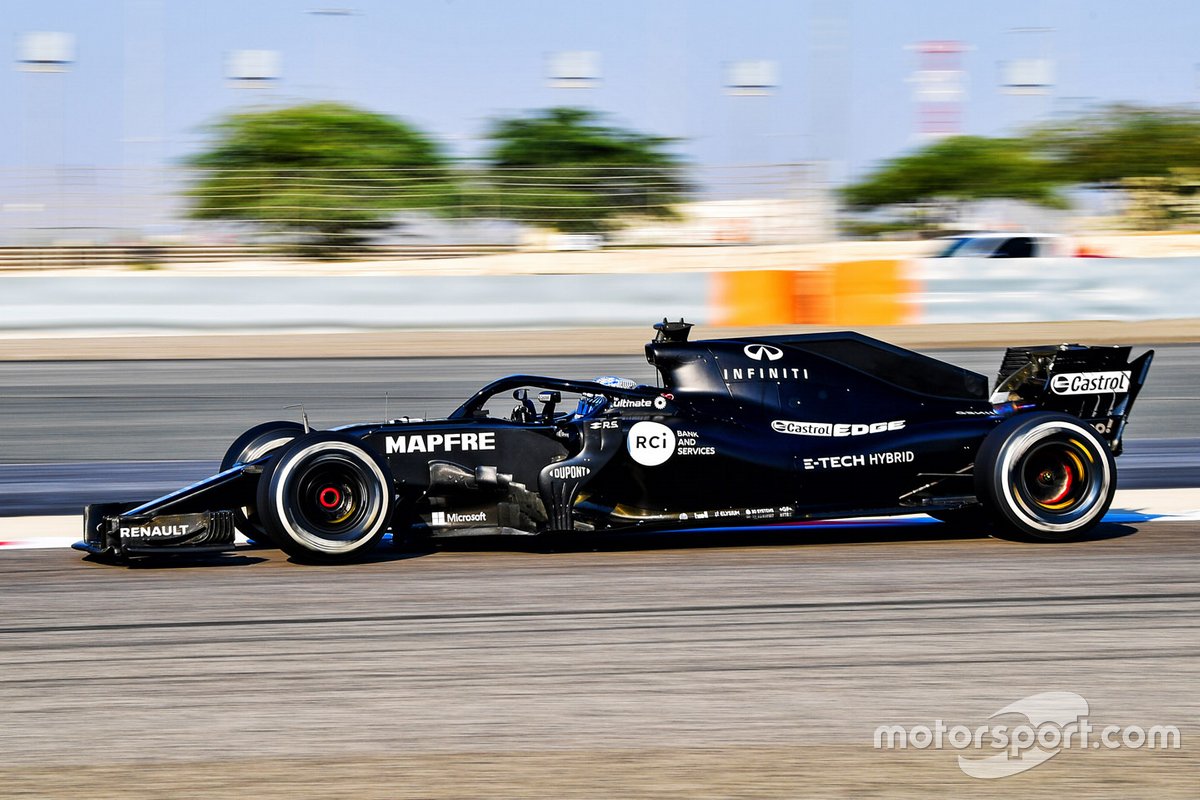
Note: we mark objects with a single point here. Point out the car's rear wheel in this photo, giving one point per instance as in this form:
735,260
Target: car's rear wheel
251,446
326,498
1045,476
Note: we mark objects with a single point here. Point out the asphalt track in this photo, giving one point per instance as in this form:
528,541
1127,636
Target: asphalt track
714,665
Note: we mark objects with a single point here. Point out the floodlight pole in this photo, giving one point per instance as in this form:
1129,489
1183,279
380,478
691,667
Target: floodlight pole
324,62
252,69
47,55
576,72
1030,75
51,54
750,85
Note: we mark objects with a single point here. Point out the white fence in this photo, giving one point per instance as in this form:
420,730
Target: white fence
81,206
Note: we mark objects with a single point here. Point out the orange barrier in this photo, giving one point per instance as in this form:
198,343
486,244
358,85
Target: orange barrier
842,294
753,297
813,297
870,293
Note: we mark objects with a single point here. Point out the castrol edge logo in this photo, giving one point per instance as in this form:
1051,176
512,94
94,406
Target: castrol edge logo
834,428
1090,382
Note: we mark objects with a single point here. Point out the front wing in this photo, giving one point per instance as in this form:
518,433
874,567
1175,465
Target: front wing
196,519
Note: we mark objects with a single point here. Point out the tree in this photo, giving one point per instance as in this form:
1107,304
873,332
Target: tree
1163,202
1122,141
565,169
1152,155
960,168
324,173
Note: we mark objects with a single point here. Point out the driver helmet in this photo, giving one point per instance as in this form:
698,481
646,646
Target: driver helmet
590,403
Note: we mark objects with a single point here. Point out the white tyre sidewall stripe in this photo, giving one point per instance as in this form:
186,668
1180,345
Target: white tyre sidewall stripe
315,542
1020,446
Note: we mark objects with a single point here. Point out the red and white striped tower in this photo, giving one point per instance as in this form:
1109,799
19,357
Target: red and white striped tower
939,88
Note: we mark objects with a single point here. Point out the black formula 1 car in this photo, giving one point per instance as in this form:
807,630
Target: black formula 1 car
741,432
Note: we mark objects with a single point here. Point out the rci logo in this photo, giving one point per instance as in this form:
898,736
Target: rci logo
762,352
650,443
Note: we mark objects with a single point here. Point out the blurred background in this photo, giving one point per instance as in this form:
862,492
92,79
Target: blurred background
826,140
460,126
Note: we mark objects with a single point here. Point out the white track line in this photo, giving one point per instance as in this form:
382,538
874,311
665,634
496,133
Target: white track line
1131,505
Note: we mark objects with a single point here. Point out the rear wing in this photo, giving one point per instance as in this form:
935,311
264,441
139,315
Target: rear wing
1097,384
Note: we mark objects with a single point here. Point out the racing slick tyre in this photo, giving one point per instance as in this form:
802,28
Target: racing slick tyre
326,498
250,446
1045,476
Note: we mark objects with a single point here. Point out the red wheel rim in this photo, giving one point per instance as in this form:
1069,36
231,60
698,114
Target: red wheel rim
1055,477
329,497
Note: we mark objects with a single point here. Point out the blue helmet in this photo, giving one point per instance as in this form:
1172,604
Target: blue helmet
590,403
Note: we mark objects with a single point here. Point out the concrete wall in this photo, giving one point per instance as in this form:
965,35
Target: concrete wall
845,294
963,290
1051,289
153,302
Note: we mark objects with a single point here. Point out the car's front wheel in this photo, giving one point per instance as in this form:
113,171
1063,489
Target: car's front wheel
1045,476
251,446
326,498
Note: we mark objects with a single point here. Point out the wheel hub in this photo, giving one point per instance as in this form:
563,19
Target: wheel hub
1055,477
329,497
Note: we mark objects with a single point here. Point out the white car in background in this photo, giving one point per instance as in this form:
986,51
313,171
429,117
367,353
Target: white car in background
1005,245
1018,277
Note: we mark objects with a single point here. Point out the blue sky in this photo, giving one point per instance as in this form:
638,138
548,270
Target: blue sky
149,73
